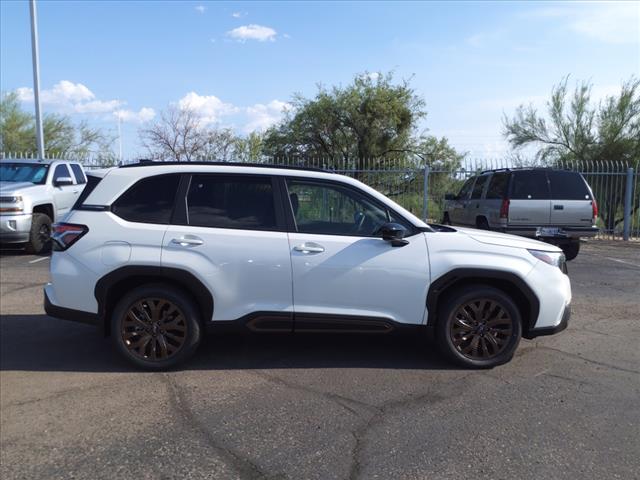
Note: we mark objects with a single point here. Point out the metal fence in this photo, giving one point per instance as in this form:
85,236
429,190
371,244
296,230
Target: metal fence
420,185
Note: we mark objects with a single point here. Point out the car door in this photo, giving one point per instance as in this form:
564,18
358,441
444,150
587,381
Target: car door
343,272
529,198
494,198
228,233
474,205
64,195
458,208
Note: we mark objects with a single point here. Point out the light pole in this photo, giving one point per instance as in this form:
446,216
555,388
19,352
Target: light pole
36,77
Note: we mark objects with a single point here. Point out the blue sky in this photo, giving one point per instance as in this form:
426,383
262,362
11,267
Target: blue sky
239,63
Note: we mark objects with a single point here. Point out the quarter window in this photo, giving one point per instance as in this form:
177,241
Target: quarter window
149,201
497,186
334,210
228,201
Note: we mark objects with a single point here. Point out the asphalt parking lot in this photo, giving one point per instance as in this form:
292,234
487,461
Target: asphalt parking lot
325,407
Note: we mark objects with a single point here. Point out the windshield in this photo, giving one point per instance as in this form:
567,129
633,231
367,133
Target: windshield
23,172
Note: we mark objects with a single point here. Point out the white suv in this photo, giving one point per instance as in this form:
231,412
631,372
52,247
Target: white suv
156,253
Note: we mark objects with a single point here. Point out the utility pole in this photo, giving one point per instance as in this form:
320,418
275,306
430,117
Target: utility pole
36,77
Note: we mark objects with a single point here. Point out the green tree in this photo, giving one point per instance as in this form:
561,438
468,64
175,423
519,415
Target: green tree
577,130
61,136
360,125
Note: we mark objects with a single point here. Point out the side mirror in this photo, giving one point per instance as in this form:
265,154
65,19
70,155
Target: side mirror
393,233
450,196
62,181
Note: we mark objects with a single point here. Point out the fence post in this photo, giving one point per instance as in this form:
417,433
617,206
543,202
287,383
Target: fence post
425,193
628,194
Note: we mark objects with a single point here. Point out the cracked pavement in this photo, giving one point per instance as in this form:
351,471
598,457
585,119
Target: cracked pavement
325,406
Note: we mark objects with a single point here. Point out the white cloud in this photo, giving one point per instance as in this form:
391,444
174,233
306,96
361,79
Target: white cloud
253,32
239,14
200,8
143,115
261,116
609,22
75,98
209,107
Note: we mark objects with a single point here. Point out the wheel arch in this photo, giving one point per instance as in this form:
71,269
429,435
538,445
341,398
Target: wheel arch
510,283
46,208
113,285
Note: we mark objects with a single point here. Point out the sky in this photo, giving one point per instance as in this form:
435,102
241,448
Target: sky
239,63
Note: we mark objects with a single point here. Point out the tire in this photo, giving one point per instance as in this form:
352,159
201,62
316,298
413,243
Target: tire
482,224
40,234
571,250
453,338
156,327
445,219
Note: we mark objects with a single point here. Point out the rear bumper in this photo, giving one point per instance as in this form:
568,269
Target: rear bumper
539,332
63,313
564,233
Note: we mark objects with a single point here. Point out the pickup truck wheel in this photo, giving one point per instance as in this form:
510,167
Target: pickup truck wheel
40,234
445,219
479,326
156,327
571,250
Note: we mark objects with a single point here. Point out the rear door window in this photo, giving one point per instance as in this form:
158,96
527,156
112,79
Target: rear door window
498,186
231,201
530,185
78,173
479,186
148,201
568,186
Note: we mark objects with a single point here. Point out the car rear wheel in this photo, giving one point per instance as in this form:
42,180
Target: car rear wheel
40,234
479,326
156,327
571,250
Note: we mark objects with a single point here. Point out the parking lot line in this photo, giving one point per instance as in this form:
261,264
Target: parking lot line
623,261
38,259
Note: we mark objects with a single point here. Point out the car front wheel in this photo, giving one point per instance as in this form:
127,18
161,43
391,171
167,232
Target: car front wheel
479,326
156,327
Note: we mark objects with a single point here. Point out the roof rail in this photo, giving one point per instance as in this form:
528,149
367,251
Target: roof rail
153,163
508,169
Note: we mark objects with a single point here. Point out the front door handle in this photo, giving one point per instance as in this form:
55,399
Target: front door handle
309,247
187,241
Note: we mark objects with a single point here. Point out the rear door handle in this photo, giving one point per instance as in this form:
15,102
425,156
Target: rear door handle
309,247
558,207
187,241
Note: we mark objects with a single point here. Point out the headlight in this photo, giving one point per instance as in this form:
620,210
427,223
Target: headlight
10,199
555,259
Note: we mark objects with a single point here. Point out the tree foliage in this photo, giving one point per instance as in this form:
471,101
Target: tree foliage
576,129
369,120
61,135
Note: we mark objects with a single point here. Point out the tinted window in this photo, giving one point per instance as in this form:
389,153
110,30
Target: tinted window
530,185
231,201
477,188
148,201
497,186
78,173
92,182
334,210
568,186
61,171
466,188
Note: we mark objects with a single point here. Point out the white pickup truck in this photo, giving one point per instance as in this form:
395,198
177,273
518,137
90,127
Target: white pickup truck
34,194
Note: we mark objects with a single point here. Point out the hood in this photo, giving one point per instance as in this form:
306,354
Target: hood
12,187
505,240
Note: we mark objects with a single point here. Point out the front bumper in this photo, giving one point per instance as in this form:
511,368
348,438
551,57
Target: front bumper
539,332
15,228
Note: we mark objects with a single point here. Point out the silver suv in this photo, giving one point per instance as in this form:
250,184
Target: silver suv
33,195
555,206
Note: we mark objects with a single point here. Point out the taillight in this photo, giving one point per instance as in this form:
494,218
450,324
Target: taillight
504,208
594,210
64,235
